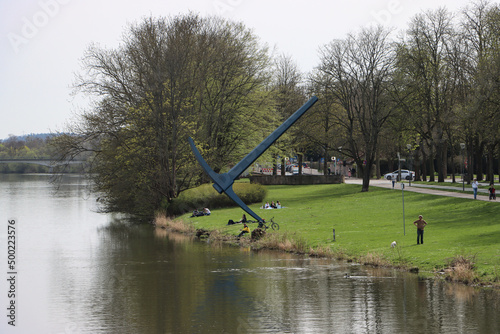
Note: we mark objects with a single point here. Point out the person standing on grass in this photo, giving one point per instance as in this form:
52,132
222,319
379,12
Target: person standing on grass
474,187
420,224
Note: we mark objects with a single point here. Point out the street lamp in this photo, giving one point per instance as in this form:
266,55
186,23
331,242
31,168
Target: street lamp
462,146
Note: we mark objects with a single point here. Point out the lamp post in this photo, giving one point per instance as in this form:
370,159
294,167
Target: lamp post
462,146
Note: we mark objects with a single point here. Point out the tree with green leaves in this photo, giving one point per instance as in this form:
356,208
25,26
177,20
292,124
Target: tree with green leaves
170,78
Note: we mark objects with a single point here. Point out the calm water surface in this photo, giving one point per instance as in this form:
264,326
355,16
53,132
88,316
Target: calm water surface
84,272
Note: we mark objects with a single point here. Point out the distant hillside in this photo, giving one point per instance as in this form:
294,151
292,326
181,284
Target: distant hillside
42,136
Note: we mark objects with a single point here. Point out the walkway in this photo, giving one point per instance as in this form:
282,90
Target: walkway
427,189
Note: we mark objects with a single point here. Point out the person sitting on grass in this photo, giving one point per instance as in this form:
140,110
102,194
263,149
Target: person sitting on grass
197,213
243,219
206,212
244,230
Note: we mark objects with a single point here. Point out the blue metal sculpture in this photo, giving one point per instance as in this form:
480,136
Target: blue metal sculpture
224,182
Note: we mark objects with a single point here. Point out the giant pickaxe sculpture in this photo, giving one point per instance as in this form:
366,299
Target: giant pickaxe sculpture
224,182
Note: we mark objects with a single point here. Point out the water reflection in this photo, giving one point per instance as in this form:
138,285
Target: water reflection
194,287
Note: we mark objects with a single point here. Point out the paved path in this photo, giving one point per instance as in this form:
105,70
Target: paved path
426,189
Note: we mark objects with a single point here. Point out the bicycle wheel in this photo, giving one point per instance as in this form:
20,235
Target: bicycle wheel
275,226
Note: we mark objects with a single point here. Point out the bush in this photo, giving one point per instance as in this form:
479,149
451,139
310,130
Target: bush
461,269
206,196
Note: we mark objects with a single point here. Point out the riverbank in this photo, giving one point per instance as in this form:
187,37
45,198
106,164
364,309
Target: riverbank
461,240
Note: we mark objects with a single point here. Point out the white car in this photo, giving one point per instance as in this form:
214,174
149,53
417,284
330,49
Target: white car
405,175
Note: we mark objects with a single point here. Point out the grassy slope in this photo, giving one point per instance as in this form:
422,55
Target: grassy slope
368,223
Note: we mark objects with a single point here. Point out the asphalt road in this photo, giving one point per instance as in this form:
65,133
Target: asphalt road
426,189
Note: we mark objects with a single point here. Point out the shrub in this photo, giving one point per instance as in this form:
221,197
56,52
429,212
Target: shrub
284,242
374,259
321,251
461,269
206,196
173,225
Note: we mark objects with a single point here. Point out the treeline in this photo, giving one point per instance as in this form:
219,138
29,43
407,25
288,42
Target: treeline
432,94
25,147
421,95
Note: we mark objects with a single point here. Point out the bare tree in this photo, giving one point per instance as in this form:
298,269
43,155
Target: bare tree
480,31
289,96
425,57
357,74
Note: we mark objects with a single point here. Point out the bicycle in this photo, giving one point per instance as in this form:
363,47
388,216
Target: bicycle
272,225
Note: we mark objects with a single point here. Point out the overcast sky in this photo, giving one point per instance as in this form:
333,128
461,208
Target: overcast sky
42,41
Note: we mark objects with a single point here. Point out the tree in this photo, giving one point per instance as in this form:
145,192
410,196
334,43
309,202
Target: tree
170,79
289,96
424,57
357,74
480,31
323,131
233,75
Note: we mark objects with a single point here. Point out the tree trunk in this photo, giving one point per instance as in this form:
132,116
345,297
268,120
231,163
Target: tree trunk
453,166
470,162
432,169
275,165
377,163
479,162
445,160
417,164
325,163
366,178
424,166
439,160
490,176
300,163
283,167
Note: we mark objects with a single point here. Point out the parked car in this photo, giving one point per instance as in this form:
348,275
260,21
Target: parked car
405,175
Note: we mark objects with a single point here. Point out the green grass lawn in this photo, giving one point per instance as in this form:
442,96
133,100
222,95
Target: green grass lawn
368,223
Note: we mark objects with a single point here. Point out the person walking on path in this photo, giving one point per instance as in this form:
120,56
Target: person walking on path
420,224
474,187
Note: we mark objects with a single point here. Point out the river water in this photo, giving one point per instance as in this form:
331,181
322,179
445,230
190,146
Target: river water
78,271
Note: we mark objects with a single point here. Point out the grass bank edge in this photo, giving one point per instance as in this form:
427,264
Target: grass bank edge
307,201
460,268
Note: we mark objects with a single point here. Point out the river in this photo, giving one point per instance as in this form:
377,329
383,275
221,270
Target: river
79,271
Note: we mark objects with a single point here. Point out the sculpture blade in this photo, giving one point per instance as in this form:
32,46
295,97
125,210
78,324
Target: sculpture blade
264,145
224,182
